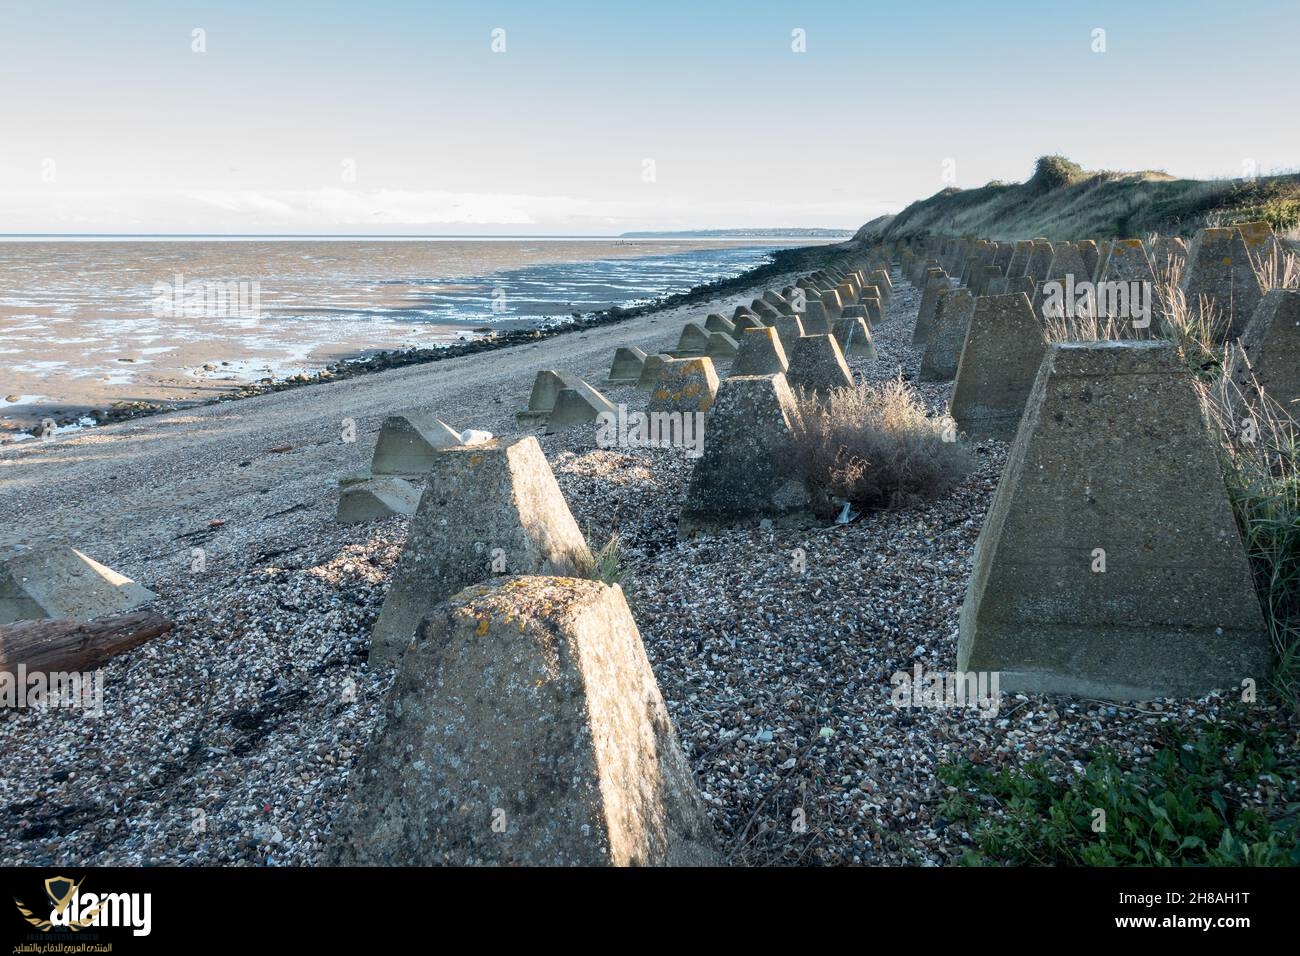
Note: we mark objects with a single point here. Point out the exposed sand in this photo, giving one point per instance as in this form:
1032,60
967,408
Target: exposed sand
126,493
78,329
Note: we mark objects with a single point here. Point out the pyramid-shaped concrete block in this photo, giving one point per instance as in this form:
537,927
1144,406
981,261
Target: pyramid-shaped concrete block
778,302
487,509
743,323
832,304
693,340
579,405
1220,279
880,279
546,388
716,322
1266,252
55,581
814,318
817,365
629,361
525,728
684,385
765,312
789,328
854,338
1004,347
1267,357
1110,564
1040,260
761,353
1088,253
1019,259
376,498
952,317
408,442
650,371
721,346
1169,257
1067,262
743,478
925,311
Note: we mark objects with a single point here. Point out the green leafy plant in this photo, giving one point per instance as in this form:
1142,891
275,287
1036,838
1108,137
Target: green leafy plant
1227,796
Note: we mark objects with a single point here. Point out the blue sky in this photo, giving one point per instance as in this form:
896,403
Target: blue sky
392,117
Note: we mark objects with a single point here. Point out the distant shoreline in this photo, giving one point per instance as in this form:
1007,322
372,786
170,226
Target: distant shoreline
798,258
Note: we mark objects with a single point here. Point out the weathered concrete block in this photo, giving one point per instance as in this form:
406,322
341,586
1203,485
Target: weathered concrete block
1019,259
832,304
1266,252
525,728
742,477
1004,347
952,318
1066,262
381,497
925,312
1040,260
818,365
743,323
408,442
1168,257
789,328
1088,253
1267,357
721,346
650,372
1112,467
742,310
579,405
55,581
778,302
486,509
848,295
814,319
1126,260
714,322
854,338
765,312
629,361
997,285
693,340
880,279
870,300
1220,277
684,385
546,388
761,353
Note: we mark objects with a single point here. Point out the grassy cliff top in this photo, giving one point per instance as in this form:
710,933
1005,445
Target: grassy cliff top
1063,201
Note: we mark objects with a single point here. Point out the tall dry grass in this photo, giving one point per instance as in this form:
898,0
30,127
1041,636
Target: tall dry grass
874,446
1259,451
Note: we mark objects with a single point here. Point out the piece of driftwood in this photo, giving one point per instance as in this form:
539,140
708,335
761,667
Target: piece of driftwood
63,645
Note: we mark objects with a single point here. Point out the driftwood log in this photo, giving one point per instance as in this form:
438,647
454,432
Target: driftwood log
62,645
